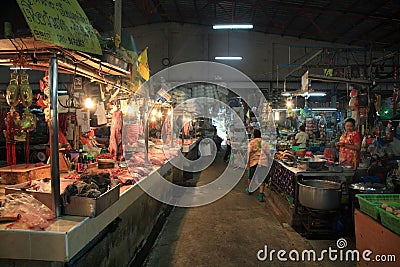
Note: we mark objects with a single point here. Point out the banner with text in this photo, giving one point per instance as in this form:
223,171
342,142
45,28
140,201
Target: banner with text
60,22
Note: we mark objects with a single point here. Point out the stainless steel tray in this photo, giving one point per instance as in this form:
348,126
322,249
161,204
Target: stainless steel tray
91,207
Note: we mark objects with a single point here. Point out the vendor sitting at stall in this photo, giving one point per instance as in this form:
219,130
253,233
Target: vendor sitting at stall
349,145
301,138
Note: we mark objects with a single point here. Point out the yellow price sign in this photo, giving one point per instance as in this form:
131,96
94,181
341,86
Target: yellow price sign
60,22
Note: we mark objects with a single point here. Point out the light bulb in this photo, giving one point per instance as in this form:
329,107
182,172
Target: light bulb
153,112
159,114
276,117
89,103
129,110
153,119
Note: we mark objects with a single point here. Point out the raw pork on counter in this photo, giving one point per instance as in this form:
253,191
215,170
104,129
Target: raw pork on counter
116,135
32,214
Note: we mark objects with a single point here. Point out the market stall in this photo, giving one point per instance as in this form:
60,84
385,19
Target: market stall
68,236
51,221
286,177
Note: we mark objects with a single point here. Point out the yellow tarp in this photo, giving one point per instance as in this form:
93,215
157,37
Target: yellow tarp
143,65
60,22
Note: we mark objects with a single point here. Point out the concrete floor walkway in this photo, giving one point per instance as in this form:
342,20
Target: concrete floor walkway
230,232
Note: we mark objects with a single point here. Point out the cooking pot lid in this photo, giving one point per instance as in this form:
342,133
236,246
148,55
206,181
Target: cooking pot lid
368,186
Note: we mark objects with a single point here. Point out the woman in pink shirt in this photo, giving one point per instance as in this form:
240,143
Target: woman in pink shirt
349,145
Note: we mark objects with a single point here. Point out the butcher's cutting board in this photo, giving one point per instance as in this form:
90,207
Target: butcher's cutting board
20,173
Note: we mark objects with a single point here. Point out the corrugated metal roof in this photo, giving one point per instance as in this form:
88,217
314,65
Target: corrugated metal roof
369,23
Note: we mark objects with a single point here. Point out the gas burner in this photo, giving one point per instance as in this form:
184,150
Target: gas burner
320,223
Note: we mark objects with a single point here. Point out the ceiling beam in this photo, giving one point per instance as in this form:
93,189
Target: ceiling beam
304,63
313,9
291,20
129,17
140,5
196,10
378,26
360,20
316,26
160,10
215,11
233,11
178,10
326,37
106,23
395,31
223,9
253,12
334,21
337,79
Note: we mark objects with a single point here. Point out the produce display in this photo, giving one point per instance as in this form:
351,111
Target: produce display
391,209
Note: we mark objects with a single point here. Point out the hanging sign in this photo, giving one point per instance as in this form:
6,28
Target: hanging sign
163,95
60,22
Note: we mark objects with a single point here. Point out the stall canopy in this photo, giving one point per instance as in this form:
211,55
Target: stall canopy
38,54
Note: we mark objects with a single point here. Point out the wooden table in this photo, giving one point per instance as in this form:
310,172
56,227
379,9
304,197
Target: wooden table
20,173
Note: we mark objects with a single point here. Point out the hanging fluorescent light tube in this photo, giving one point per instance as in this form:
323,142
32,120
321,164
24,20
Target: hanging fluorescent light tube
285,94
285,109
232,26
324,109
313,109
228,58
19,68
308,94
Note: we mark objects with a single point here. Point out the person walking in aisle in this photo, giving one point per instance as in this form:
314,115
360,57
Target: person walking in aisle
257,158
228,151
301,138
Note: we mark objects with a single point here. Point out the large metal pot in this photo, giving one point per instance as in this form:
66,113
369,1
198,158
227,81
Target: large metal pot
312,164
316,164
320,194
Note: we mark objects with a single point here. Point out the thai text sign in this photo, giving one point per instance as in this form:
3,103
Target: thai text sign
60,22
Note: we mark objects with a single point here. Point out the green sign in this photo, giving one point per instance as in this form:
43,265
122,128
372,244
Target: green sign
60,22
